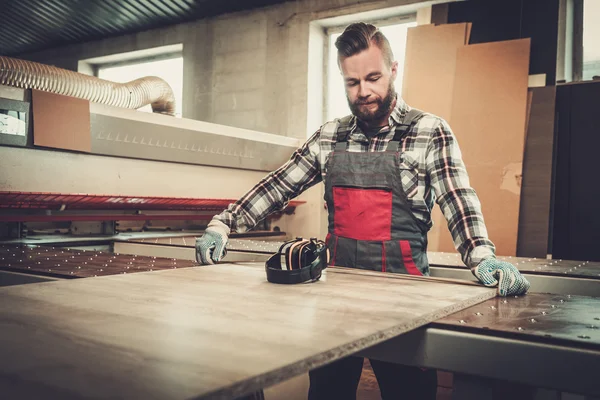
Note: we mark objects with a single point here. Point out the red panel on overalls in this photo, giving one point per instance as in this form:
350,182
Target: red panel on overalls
371,225
362,214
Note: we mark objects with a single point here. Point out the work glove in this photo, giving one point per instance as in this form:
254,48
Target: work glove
210,248
493,272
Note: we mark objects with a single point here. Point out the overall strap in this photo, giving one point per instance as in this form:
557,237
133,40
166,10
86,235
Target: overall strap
410,119
340,128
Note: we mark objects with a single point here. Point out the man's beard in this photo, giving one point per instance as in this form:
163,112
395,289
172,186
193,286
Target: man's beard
383,107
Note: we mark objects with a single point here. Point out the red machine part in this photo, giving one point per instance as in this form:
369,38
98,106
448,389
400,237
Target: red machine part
63,202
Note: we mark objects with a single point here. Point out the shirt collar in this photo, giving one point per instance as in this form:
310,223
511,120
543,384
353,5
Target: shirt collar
399,111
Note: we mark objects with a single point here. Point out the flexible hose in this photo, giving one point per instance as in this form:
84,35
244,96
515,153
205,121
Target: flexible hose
135,94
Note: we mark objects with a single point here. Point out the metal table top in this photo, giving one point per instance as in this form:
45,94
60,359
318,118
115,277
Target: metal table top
539,266
535,316
64,263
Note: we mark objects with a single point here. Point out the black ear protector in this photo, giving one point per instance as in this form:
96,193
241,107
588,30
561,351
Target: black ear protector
304,261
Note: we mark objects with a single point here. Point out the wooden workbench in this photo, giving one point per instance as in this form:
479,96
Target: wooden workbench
206,332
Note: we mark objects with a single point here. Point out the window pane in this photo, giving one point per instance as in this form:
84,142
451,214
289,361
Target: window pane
337,105
591,33
171,70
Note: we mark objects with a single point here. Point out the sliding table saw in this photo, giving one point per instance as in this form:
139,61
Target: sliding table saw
145,326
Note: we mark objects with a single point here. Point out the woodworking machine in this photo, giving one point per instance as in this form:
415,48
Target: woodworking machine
548,343
142,173
149,184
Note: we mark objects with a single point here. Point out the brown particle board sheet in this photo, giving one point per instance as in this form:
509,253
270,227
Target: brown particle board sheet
207,332
534,216
61,122
429,67
429,74
488,119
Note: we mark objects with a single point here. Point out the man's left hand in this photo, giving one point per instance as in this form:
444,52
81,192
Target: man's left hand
493,272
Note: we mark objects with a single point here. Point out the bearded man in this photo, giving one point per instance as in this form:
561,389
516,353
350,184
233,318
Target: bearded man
384,167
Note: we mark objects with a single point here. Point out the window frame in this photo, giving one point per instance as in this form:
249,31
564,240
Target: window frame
581,59
134,61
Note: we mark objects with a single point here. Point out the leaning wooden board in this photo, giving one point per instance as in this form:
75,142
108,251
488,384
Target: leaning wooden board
208,332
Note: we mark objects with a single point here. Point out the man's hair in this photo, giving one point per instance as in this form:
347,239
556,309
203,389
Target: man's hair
360,36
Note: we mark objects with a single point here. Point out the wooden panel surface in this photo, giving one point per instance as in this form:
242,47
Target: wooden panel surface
488,118
584,217
562,201
207,332
534,216
429,67
61,122
429,73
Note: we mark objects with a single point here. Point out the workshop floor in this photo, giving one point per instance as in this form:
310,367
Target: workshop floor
368,388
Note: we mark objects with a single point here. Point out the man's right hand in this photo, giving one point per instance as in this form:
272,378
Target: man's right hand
210,248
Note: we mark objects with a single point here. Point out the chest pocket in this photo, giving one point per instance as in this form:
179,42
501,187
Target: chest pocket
409,174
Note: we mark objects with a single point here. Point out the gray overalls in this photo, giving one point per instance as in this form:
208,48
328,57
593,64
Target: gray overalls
371,225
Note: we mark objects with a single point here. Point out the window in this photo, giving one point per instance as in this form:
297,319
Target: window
591,33
169,69
337,105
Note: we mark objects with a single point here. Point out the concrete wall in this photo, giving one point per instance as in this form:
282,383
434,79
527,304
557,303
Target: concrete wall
248,69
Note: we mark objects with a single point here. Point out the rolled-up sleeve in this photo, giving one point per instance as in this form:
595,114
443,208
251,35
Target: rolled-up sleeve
457,199
275,190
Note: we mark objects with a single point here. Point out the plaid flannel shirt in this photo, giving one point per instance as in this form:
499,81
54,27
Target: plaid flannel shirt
438,175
